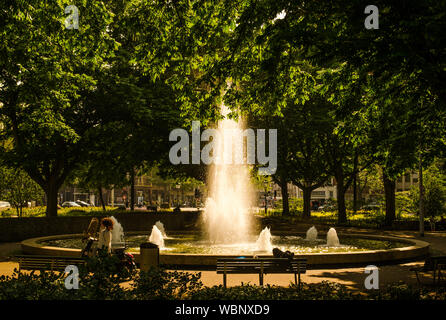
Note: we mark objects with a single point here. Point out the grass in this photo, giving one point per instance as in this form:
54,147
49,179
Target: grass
64,212
362,219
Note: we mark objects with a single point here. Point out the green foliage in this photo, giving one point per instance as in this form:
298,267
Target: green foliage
403,291
101,277
434,182
159,284
362,219
403,203
314,291
101,280
70,212
47,75
18,189
296,205
23,286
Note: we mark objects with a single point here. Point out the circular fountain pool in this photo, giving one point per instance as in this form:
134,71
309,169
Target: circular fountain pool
189,249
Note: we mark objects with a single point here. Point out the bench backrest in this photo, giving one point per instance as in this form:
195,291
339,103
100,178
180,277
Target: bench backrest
31,262
268,265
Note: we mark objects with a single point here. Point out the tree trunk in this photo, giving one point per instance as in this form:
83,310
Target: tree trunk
389,190
285,203
101,198
307,202
355,184
51,199
420,181
132,190
342,213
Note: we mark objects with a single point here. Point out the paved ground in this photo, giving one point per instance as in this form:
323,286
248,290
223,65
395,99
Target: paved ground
351,277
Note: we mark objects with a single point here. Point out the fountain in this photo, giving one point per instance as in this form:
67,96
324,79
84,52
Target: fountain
332,238
264,241
228,227
156,237
160,226
117,233
311,234
226,215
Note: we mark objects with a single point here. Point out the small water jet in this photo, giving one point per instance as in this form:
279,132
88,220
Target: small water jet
332,238
311,234
160,226
264,241
117,232
156,237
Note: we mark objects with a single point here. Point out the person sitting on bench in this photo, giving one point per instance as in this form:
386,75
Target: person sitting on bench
90,236
277,253
105,235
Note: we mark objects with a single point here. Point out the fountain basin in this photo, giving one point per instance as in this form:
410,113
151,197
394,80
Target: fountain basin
410,250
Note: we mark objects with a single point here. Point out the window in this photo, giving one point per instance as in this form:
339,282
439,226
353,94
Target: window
407,178
400,179
415,180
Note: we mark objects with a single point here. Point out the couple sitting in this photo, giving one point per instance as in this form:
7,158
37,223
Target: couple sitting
104,237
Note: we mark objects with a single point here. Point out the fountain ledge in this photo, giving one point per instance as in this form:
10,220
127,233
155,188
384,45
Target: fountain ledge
415,250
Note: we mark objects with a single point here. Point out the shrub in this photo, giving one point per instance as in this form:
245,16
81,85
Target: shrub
435,192
315,291
102,279
22,286
296,205
99,279
167,285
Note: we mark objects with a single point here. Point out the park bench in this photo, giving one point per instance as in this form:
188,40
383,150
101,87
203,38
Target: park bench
262,266
53,263
432,264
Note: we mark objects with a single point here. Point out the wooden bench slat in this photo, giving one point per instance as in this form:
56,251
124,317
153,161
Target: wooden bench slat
262,266
56,263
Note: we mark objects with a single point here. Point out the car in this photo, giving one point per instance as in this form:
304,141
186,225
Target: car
119,206
165,205
325,208
371,207
4,205
70,204
83,203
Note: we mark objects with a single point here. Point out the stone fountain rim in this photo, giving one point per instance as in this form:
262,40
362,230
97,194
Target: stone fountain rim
416,250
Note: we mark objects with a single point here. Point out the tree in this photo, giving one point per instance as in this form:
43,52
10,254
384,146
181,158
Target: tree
301,158
402,63
45,74
18,188
122,75
435,192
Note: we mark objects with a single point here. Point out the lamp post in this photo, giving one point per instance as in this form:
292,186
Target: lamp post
178,186
266,196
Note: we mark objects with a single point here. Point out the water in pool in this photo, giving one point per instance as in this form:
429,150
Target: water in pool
196,244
